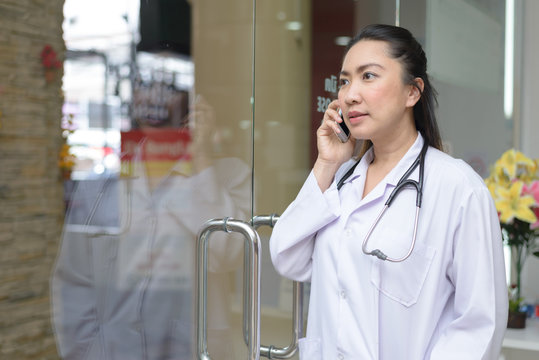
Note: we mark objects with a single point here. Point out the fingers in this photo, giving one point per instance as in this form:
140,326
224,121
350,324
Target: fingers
331,119
332,124
332,112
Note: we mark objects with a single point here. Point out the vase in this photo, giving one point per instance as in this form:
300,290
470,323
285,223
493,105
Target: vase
516,320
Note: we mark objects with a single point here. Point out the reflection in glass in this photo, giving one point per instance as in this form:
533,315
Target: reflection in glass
123,285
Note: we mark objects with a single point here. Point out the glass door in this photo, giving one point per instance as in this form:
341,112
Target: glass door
251,61
223,102
298,49
173,81
214,107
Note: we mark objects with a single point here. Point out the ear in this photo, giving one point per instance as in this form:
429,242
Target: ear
415,92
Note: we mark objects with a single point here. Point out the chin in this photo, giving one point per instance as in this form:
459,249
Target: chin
360,135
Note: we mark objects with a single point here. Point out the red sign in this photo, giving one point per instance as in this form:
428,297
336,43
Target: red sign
156,144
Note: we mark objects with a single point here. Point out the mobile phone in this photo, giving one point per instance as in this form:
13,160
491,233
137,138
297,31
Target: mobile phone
344,135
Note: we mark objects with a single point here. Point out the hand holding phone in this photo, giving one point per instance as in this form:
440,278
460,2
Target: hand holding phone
344,135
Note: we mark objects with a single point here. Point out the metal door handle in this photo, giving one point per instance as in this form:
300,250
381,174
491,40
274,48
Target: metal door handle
252,241
273,352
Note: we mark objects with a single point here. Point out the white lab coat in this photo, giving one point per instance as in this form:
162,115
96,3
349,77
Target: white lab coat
447,301
129,294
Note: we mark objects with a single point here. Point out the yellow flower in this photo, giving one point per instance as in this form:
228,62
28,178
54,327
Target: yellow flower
530,173
66,160
501,181
511,204
509,164
491,185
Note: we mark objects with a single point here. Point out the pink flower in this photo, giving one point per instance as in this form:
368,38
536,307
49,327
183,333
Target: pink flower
533,190
48,58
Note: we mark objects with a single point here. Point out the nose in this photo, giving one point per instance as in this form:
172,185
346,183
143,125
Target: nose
351,94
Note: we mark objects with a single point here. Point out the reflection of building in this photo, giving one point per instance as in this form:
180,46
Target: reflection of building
124,74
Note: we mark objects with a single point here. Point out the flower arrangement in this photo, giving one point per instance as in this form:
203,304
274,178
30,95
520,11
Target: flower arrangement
514,184
50,62
66,160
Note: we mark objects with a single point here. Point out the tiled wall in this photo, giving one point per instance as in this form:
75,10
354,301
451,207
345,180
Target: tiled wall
31,205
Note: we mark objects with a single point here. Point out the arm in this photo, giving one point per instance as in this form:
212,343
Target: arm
73,298
73,290
292,240
317,204
478,274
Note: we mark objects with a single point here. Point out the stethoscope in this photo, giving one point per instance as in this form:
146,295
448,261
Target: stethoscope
403,182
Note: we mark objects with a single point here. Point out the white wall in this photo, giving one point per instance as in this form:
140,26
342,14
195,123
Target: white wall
530,118
528,96
530,79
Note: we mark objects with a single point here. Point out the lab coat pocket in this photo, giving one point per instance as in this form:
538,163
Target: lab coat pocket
404,280
310,349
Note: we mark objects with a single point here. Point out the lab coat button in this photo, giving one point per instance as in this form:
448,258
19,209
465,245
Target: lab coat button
343,294
340,357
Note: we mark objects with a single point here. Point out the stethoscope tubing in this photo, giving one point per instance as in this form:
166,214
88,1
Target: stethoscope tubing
403,182
379,253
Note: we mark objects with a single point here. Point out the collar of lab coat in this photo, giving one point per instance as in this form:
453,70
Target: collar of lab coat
396,173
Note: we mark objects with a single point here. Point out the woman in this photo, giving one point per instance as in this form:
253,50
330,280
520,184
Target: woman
447,299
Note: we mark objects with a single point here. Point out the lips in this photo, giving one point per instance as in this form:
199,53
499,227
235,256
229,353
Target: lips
356,116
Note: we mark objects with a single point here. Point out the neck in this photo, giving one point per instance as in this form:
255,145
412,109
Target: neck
390,152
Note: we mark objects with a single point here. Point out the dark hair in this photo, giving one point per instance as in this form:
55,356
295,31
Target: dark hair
405,48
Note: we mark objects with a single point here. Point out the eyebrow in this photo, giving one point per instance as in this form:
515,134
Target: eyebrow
362,68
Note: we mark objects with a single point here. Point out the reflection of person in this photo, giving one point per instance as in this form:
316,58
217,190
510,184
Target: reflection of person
447,300
123,285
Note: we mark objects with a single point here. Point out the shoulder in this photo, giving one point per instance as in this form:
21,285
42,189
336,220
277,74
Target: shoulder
231,171
454,189
451,173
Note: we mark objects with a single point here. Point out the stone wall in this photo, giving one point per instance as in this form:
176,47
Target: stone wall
31,206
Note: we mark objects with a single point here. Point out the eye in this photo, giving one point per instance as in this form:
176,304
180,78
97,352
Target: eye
368,75
343,82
